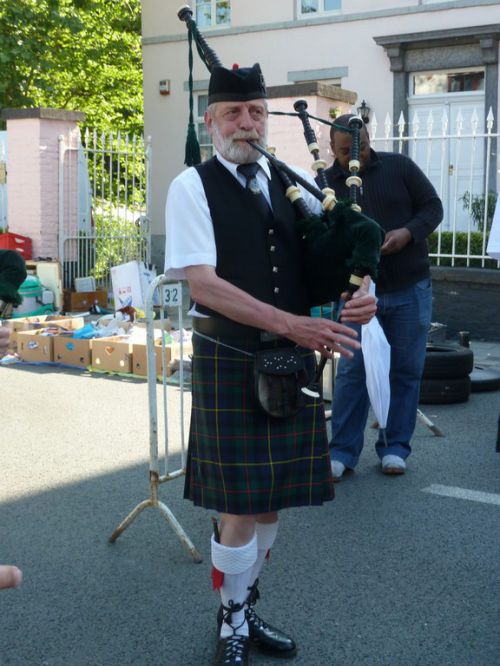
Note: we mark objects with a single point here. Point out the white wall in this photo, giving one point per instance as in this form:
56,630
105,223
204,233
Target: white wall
284,45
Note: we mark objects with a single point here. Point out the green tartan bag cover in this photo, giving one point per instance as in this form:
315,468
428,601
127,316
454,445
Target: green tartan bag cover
279,376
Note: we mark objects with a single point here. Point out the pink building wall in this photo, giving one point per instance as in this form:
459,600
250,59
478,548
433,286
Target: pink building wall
286,132
33,174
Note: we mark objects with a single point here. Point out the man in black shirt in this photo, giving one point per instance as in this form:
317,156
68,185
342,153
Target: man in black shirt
402,200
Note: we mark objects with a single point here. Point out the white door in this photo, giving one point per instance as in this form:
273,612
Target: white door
449,148
449,153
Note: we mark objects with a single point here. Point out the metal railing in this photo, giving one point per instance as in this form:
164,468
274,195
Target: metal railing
458,155
165,433
104,194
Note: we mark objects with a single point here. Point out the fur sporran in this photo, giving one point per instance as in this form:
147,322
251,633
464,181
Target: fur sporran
279,376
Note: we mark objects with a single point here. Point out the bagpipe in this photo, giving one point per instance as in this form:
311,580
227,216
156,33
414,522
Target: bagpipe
341,245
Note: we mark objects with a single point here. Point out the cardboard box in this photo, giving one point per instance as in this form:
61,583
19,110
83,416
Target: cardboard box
130,283
140,361
80,301
40,321
112,354
35,346
72,351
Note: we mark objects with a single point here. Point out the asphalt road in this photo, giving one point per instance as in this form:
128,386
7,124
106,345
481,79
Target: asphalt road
388,574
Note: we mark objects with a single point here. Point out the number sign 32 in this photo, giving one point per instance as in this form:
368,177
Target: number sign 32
172,295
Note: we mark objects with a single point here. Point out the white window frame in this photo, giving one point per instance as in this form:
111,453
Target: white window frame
213,16
321,10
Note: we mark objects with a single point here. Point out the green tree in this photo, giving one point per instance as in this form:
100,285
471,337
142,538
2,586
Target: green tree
80,55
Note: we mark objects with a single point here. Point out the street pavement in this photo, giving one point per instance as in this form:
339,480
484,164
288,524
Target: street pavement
397,571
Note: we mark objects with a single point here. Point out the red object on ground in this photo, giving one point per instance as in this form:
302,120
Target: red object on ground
21,244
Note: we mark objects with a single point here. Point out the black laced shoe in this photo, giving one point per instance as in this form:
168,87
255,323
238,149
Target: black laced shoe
263,635
233,650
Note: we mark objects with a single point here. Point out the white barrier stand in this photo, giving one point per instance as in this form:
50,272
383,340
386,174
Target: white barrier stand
170,295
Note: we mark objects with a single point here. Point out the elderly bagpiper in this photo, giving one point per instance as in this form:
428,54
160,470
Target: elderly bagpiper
257,443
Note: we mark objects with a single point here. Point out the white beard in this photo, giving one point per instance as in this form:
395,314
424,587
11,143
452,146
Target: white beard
235,151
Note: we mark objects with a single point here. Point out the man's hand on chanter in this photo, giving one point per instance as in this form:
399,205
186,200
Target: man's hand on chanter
323,335
327,336
361,307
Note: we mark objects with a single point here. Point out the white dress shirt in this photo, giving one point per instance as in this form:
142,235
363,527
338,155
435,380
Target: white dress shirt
190,237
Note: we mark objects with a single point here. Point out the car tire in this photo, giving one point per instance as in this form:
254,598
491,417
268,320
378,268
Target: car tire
444,391
484,379
447,361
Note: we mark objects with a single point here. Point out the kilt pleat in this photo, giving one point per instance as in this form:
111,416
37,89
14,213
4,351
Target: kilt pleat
241,461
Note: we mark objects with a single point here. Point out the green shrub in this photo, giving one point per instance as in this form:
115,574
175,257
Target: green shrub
476,248
116,242
476,204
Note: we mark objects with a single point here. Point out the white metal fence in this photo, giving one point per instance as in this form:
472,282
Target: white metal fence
104,193
458,153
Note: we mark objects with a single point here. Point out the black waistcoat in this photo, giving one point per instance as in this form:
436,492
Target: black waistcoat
259,254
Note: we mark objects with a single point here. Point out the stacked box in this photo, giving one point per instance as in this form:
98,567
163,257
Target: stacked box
21,244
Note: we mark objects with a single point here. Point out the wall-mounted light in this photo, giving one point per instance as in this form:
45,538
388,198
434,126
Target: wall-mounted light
164,87
364,112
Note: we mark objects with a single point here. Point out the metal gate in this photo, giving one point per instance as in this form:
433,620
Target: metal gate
458,153
104,195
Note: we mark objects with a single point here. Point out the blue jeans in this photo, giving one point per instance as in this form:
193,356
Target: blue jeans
405,317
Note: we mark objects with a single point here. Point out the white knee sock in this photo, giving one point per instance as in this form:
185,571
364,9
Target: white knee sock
237,566
266,534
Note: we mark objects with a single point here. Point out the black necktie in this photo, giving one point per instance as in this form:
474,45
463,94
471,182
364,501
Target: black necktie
250,173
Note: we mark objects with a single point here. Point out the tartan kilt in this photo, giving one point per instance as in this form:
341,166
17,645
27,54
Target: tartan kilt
240,460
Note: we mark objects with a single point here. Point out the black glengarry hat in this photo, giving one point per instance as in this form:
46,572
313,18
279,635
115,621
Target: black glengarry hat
239,84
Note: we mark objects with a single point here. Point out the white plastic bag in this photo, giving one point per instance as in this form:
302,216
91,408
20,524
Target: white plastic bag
377,360
493,249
